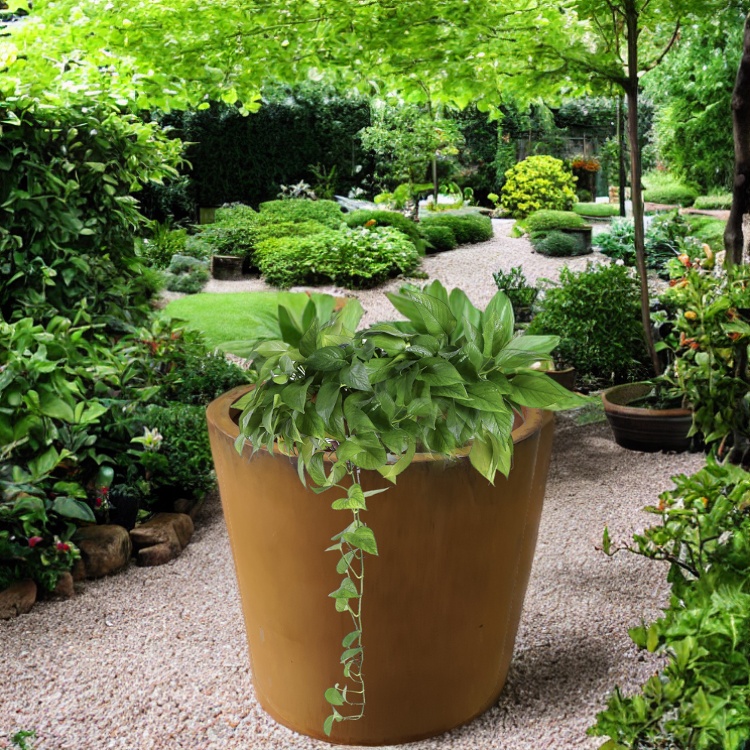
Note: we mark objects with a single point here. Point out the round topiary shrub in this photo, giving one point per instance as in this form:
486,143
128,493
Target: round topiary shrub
558,244
535,183
439,238
468,229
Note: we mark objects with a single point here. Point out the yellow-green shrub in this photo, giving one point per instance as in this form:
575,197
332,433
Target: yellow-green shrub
538,182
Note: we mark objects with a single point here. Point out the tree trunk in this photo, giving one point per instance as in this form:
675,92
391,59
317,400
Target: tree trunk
631,92
734,239
622,173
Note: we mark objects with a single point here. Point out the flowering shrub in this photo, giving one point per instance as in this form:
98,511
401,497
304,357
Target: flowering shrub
585,163
535,183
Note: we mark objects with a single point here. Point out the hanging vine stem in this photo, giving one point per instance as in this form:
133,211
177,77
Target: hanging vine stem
352,543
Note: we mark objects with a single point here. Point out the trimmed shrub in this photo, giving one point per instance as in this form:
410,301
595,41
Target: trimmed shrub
671,195
468,229
439,238
713,202
535,183
597,210
302,209
271,229
354,258
186,274
604,347
386,219
558,244
546,221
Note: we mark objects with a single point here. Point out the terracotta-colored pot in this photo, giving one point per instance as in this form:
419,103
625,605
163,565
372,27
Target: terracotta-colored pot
641,429
442,601
566,377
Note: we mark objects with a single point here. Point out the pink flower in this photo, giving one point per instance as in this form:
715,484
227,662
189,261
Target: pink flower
62,547
34,540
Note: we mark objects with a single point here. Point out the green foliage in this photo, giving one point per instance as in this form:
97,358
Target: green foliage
67,217
157,251
386,219
468,228
302,209
447,375
536,183
711,329
597,210
517,289
353,258
670,194
186,274
202,378
718,201
176,458
707,229
603,347
700,697
558,244
439,238
547,220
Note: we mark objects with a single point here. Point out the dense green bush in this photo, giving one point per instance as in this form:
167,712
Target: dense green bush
386,219
157,250
665,189
700,698
467,228
302,209
604,347
535,183
546,221
559,244
439,238
597,210
354,258
201,378
186,274
713,202
270,229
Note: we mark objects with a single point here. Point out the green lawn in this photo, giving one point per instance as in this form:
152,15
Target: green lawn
231,321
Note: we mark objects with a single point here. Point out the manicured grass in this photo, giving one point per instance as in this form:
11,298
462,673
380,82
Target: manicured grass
230,321
716,202
597,210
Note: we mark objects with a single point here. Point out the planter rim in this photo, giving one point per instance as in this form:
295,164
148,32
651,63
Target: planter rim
218,414
631,391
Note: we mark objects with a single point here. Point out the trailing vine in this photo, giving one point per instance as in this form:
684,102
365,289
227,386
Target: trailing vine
447,377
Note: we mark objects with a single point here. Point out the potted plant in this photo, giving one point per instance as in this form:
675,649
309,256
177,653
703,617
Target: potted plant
441,402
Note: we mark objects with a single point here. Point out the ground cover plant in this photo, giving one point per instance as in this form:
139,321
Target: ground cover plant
364,217
604,348
714,202
301,209
662,188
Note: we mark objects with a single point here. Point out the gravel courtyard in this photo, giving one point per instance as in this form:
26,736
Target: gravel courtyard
156,657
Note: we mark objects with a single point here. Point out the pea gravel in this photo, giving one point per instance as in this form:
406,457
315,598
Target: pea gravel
155,657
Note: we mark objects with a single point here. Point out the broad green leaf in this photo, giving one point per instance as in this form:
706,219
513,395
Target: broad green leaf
290,329
523,351
486,396
437,371
326,400
350,654
391,471
335,698
309,341
363,450
295,394
362,538
497,324
409,309
346,590
326,359
69,507
328,725
537,390
342,566
356,376
480,456
53,406
391,345
350,638
354,500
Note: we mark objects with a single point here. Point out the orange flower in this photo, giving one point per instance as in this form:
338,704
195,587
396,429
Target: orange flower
370,223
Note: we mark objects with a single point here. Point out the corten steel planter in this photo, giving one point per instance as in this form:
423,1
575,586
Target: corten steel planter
442,601
226,267
642,429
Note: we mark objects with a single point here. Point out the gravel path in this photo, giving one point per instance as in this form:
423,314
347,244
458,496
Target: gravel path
155,657
470,268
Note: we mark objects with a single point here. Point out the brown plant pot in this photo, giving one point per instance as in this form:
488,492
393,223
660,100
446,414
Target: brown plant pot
585,235
226,267
566,377
442,601
641,429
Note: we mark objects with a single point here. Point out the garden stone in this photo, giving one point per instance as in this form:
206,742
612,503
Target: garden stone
190,507
64,588
104,549
17,599
162,538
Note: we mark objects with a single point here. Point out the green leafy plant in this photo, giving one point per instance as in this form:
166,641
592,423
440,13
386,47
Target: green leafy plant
559,244
668,191
447,378
718,201
386,219
164,243
596,210
547,220
354,258
325,180
516,288
603,347
468,228
439,238
535,183
186,274
700,697
302,209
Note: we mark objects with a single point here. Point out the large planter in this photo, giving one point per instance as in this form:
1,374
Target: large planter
642,429
227,267
442,601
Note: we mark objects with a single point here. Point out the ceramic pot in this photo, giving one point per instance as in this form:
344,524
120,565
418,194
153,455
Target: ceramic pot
642,429
442,601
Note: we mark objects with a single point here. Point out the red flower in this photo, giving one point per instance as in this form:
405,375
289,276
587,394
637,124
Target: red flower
62,547
34,540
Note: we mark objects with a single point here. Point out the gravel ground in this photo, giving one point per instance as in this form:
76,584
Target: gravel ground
470,268
155,657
